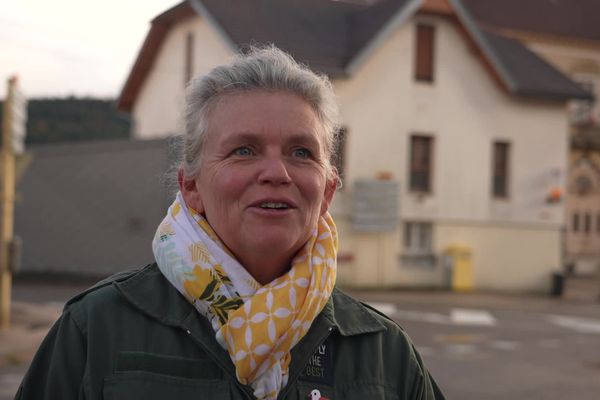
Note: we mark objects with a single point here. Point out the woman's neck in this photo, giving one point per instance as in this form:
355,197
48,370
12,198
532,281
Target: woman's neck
266,269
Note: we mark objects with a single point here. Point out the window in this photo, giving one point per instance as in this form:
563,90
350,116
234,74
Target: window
339,158
418,238
424,53
418,248
576,222
582,110
587,223
583,185
501,158
421,148
189,58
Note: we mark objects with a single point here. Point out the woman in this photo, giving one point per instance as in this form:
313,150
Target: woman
241,301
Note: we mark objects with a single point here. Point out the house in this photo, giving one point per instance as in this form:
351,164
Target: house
455,134
566,34
583,205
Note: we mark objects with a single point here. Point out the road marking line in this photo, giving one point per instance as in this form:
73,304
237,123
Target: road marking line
386,308
463,316
578,324
506,345
459,316
461,348
459,338
420,316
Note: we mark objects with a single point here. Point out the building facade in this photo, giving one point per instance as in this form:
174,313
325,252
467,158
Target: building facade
469,127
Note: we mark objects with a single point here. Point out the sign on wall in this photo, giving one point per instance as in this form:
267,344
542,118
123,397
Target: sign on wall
375,207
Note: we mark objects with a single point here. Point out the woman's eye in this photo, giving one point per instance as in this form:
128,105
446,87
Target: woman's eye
302,153
243,151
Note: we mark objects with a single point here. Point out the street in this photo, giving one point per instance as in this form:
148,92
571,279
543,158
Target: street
477,346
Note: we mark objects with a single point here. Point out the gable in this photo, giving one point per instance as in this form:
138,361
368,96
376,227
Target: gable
336,37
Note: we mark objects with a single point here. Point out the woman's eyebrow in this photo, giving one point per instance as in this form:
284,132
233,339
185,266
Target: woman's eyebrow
241,137
304,139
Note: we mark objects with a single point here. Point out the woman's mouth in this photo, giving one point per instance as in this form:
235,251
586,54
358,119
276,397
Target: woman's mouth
274,206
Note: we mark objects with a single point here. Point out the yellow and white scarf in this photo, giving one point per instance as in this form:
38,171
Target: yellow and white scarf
258,325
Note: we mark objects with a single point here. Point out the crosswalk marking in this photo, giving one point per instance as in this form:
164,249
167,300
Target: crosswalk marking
457,316
463,316
505,345
388,309
578,324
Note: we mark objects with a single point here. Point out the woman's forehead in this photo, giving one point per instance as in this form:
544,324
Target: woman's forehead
259,113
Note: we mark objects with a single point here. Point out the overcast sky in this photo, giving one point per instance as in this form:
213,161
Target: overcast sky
72,47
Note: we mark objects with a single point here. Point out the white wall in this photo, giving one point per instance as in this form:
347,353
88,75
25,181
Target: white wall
465,111
157,110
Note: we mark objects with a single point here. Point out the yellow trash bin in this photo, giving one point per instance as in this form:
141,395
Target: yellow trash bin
461,272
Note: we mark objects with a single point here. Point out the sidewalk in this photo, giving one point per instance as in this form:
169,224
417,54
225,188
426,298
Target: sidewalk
30,323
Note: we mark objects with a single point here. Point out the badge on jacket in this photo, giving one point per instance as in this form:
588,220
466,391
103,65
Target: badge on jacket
315,394
320,365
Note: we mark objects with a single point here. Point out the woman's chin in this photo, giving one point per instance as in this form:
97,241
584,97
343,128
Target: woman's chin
274,242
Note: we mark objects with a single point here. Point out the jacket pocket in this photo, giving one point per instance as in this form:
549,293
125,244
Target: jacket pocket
180,367
133,385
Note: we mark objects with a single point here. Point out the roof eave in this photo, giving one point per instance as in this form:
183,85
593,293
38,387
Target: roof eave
551,96
159,28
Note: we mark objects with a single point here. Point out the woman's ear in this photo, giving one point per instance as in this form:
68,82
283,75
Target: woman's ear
330,187
189,190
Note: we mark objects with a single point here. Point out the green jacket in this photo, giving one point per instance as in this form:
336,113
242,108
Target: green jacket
133,336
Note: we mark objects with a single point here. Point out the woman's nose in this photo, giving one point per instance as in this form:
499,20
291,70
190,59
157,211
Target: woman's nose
274,171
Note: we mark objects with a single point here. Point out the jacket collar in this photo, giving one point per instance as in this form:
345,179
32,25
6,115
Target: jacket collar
149,291
350,317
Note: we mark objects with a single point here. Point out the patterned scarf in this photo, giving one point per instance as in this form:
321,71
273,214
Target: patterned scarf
258,325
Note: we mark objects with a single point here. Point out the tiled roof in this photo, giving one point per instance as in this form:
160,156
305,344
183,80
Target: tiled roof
326,35
528,75
568,18
335,36
91,208
521,71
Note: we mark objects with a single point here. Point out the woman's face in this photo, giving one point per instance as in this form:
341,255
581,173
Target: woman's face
262,184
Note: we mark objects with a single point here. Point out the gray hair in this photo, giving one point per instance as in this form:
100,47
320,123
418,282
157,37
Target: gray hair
267,68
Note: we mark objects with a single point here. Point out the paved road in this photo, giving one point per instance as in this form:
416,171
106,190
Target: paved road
478,346
498,347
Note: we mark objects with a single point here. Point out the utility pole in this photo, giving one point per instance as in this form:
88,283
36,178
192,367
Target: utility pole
13,133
